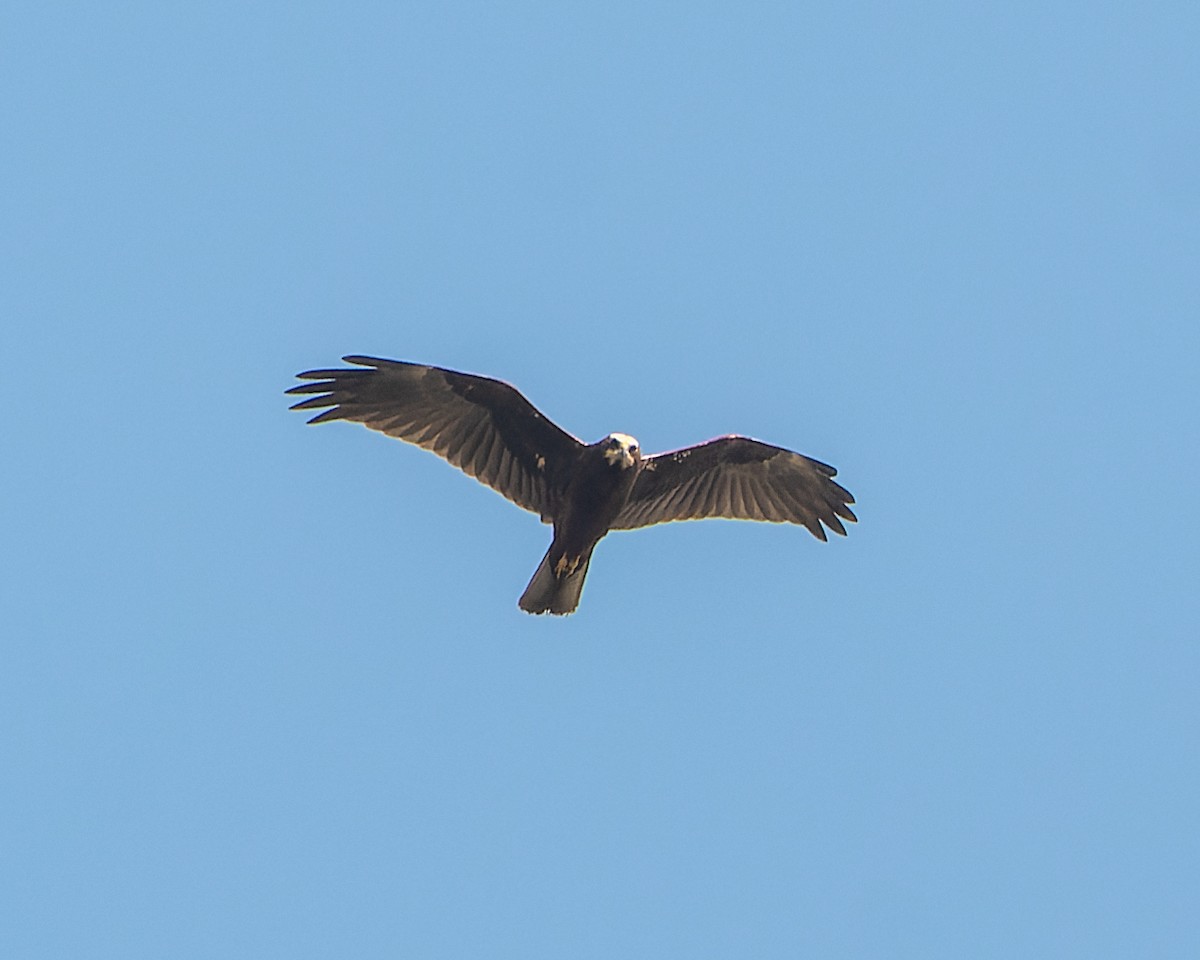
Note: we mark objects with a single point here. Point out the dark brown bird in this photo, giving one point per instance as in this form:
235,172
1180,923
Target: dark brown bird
488,429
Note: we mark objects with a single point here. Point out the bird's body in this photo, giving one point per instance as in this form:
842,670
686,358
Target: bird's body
489,430
599,487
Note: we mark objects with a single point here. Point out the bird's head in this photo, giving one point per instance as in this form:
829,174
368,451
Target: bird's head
621,450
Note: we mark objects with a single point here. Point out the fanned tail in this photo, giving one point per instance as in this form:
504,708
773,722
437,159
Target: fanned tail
549,593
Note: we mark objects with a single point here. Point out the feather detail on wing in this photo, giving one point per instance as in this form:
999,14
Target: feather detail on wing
482,426
741,479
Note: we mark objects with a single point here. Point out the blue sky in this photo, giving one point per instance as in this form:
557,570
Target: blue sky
265,688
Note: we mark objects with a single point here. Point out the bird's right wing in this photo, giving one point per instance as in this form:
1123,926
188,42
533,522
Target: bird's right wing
482,426
739,478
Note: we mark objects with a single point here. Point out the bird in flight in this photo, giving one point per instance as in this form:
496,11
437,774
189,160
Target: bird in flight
486,428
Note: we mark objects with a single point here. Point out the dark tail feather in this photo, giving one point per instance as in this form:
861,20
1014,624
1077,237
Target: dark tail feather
547,593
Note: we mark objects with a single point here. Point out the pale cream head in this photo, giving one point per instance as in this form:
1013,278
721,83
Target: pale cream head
623,448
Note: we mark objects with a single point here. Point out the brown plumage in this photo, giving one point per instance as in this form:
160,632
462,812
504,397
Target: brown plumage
488,429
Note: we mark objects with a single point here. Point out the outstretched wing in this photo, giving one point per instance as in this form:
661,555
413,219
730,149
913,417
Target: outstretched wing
739,478
482,426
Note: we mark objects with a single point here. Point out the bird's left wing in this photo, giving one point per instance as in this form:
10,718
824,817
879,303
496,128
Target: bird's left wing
739,478
484,427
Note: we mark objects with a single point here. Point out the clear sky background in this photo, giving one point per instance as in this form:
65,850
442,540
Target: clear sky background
265,689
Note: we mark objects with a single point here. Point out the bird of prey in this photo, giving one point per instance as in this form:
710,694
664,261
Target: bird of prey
486,428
